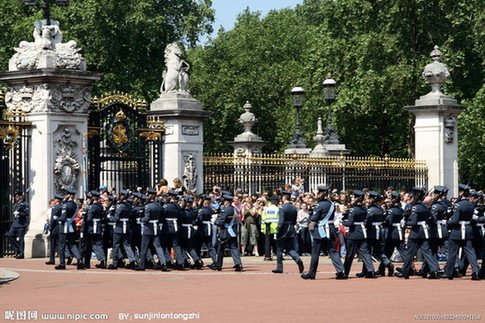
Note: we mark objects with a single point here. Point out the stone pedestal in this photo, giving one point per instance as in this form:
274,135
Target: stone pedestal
56,102
247,143
184,132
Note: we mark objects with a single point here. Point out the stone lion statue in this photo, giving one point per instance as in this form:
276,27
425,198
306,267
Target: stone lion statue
176,73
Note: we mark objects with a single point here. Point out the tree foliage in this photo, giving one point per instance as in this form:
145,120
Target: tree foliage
376,51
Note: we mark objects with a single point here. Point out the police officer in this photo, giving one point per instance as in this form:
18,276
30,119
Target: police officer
95,229
227,227
19,226
67,234
357,236
285,234
324,233
151,231
54,229
419,237
204,229
121,235
187,233
171,231
461,235
395,234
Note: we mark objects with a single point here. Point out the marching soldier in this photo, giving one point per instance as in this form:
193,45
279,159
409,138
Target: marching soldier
54,228
357,236
395,233
171,232
95,228
187,232
324,233
227,226
419,236
67,235
137,213
204,229
121,235
285,234
19,225
461,235
150,231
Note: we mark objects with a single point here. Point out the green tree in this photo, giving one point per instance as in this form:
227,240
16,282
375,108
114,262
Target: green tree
123,38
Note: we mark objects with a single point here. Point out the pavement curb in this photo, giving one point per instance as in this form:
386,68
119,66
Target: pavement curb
7,275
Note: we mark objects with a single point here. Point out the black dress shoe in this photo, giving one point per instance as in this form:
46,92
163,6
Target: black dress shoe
179,267
276,271
80,265
60,267
433,275
101,265
370,274
131,265
19,257
445,276
50,263
475,276
199,264
164,268
301,267
112,267
138,268
390,270
308,276
382,269
360,275
69,261
239,268
401,275
340,275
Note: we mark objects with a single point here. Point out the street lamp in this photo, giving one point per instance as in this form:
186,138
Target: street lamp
329,86
298,98
45,5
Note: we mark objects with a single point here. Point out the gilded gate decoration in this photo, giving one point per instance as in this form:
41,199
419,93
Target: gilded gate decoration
124,145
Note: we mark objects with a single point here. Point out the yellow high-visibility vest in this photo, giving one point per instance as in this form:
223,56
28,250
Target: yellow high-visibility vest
270,215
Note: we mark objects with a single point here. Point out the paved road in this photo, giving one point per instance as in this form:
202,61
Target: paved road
255,295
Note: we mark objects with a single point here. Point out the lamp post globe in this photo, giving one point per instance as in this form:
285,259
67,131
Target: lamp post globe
298,98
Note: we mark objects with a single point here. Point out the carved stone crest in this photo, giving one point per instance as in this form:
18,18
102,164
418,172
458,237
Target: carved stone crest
66,167
190,130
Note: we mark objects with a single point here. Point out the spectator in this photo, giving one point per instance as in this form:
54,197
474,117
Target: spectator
303,238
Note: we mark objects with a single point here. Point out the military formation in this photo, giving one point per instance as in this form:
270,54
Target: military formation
171,230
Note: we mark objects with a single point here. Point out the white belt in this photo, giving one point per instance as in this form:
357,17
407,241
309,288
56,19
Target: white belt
482,226
209,226
95,225
463,228
113,224
364,229
398,228
377,225
439,223
154,222
425,227
174,222
327,228
189,228
124,220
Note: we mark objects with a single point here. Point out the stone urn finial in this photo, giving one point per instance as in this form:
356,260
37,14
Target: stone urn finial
436,73
247,119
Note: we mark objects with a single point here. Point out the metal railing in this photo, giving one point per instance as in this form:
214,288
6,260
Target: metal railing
268,172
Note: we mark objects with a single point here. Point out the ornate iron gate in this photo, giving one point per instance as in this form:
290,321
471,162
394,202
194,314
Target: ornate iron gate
14,150
124,145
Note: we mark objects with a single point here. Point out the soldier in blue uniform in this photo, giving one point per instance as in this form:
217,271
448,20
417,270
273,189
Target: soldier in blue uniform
324,233
121,235
461,235
54,229
67,234
94,222
19,226
137,213
151,231
205,230
357,236
109,225
419,237
285,233
187,233
227,235
171,231
395,233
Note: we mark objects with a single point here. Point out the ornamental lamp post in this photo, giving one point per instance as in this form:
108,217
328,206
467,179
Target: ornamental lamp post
329,86
45,5
298,98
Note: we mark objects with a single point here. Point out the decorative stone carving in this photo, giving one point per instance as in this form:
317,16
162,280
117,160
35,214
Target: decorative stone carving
190,173
436,73
48,98
190,130
449,123
66,167
176,74
247,119
47,50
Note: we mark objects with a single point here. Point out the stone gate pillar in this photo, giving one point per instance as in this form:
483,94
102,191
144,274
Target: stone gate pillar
436,127
47,81
183,117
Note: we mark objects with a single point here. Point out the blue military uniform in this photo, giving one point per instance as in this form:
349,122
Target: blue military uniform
227,225
54,230
171,232
187,233
95,231
395,234
285,235
205,231
324,235
19,226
